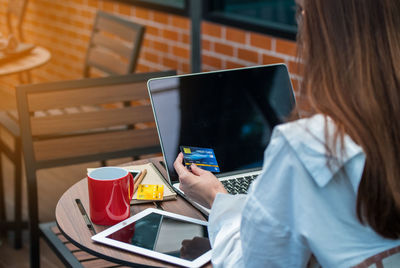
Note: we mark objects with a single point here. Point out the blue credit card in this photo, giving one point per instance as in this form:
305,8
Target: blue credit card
202,157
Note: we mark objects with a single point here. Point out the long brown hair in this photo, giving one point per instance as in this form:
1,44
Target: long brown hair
351,55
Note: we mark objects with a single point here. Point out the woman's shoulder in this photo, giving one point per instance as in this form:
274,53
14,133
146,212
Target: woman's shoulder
307,138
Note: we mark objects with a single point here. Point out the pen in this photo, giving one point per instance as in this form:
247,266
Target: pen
139,179
85,216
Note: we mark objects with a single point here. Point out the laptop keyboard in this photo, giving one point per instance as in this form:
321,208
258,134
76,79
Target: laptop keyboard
238,185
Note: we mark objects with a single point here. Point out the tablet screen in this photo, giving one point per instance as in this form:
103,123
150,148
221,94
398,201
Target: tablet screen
166,235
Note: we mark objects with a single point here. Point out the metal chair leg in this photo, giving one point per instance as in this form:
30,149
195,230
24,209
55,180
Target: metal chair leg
2,200
34,235
18,194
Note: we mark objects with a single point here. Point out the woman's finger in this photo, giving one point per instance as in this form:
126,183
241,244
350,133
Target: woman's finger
197,171
179,167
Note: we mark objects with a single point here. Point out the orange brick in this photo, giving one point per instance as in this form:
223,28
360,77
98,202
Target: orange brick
107,6
142,13
211,29
286,47
70,9
223,49
124,9
78,24
185,67
266,59
151,57
295,67
235,35
142,68
87,14
170,63
212,61
261,41
248,55
233,65
147,43
171,35
180,22
181,52
152,30
160,46
206,45
160,17
185,38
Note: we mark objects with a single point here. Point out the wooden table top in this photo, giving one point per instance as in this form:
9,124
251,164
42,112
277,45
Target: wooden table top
73,226
35,58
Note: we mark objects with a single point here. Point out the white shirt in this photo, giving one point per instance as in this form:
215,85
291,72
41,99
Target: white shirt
297,206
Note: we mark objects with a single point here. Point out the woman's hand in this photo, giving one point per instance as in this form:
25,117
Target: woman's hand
200,185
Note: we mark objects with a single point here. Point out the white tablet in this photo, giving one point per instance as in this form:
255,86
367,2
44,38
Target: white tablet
162,235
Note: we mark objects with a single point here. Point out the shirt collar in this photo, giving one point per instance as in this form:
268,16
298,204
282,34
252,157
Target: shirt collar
307,138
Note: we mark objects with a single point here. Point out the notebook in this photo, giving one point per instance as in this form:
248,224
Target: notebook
231,112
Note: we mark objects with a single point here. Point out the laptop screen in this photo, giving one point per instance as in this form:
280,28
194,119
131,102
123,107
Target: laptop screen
232,112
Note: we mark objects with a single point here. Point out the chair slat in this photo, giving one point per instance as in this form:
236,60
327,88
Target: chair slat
100,58
55,230
84,256
90,120
109,25
71,247
98,263
92,144
87,96
122,48
62,238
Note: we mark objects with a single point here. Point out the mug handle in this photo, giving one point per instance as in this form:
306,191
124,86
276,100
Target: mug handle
131,185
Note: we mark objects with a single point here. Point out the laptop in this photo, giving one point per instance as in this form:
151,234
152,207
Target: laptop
232,112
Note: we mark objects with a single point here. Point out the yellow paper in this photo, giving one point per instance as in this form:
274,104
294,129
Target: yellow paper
150,192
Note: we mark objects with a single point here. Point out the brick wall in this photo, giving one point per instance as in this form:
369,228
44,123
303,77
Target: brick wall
64,28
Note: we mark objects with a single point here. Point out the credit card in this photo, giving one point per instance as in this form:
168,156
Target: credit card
150,192
203,157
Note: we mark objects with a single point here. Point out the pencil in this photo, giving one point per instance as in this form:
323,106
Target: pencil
139,179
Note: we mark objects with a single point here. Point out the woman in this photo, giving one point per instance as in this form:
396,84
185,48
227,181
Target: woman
330,185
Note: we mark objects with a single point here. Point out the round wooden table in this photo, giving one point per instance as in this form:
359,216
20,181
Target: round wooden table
35,58
73,226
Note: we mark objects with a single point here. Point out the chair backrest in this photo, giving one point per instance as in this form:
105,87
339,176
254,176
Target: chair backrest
16,9
114,45
94,124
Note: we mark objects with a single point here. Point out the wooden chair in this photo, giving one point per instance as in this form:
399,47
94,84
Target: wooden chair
114,45
16,13
112,131
113,50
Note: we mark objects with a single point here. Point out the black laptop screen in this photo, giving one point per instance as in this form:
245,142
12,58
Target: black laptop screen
232,112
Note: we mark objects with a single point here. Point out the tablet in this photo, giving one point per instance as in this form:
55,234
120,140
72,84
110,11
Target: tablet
161,235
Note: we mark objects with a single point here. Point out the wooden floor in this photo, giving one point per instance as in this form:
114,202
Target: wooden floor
52,183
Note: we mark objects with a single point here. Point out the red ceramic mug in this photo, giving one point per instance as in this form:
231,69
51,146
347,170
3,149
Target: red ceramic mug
110,192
